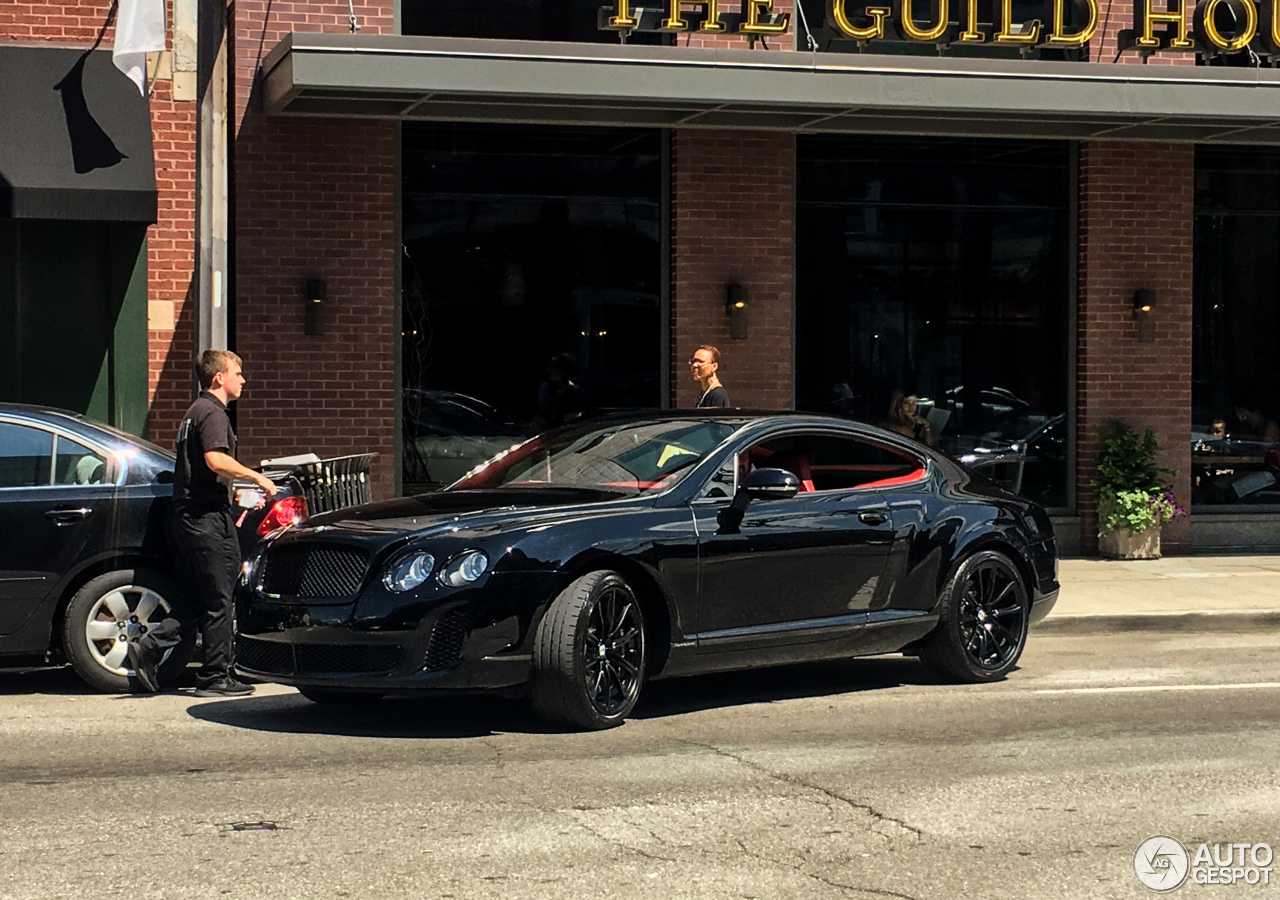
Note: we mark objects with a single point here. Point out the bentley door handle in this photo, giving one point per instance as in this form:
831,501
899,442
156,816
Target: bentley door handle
68,516
872,518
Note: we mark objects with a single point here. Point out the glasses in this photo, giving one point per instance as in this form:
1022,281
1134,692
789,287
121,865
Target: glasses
699,363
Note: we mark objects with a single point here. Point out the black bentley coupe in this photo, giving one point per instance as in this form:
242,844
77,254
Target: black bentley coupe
586,561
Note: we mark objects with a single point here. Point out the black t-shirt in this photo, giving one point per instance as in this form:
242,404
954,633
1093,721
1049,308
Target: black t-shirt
205,427
717,396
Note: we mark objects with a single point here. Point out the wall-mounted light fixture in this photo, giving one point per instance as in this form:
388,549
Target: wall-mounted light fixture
1144,310
735,305
315,302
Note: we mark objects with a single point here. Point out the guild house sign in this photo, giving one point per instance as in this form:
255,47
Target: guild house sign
1209,27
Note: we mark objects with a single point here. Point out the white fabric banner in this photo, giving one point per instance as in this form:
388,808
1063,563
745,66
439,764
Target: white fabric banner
139,30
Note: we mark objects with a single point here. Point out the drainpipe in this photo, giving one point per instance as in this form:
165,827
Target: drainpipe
211,174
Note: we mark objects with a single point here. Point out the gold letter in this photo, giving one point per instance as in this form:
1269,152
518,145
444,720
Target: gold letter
1059,37
940,13
710,23
1206,26
873,31
1145,19
623,19
1006,34
753,24
971,34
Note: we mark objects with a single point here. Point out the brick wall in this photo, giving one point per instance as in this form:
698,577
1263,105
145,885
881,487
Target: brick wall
1136,209
312,199
694,38
171,264
171,241
732,222
1120,17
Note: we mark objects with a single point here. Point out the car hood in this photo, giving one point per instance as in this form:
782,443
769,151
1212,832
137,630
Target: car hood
457,509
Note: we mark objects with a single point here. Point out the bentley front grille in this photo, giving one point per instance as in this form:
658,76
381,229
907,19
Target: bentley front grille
314,570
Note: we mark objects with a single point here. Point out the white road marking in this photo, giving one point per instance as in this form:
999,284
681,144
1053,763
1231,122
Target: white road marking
1140,688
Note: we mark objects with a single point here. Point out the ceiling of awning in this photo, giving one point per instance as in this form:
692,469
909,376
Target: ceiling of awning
469,80
76,138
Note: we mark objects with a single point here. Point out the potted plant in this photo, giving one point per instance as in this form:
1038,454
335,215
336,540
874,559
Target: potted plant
1134,499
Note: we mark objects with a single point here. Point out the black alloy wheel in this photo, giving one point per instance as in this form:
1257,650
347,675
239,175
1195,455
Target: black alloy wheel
589,657
983,625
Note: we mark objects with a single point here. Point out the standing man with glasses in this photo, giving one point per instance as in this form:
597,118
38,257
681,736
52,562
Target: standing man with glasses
202,534
705,363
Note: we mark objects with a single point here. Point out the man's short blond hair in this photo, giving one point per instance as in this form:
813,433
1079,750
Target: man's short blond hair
211,362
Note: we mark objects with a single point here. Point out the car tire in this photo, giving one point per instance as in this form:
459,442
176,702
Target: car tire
589,654
103,618
337,697
982,628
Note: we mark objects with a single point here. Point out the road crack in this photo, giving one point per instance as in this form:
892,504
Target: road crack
622,844
796,781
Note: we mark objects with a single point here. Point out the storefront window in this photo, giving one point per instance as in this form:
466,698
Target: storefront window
938,270
531,285
520,20
1235,370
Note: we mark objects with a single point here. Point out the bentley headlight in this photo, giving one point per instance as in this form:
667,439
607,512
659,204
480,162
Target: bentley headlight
408,572
464,569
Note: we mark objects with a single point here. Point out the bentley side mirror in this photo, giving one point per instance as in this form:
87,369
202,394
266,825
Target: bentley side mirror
771,484
762,484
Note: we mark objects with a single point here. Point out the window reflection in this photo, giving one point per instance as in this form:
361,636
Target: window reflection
531,285
937,272
1235,393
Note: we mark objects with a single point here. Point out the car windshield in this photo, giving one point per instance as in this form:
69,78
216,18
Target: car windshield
633,458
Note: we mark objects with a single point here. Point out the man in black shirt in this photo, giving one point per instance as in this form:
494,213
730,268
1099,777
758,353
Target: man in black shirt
202,534
705,363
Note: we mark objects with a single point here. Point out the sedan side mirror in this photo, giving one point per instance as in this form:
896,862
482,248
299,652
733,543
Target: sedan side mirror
771,484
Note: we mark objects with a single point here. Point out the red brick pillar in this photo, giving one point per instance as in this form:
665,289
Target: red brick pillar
171,265
733,222
313,198
1136,222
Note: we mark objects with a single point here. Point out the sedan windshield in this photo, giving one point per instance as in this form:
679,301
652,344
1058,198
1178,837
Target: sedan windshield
635,458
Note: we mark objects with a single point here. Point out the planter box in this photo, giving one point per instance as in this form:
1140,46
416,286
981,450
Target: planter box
1121,544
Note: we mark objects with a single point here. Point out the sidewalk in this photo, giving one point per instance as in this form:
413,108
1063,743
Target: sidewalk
1203,593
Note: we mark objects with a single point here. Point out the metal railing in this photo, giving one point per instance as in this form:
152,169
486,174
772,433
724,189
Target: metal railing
335,483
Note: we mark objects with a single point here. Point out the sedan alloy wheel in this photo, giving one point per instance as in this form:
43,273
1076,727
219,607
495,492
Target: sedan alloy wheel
109,613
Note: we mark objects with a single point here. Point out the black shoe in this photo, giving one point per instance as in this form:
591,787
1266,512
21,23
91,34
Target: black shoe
144,668
225,687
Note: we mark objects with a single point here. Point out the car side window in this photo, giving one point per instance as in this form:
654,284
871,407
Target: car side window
831,462
723,483
75,463
26,456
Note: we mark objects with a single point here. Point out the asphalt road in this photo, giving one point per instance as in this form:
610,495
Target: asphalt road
857,780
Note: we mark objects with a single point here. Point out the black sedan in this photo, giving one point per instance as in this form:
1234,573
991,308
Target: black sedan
83,565
582,563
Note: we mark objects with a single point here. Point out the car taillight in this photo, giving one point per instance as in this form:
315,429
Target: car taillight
286,511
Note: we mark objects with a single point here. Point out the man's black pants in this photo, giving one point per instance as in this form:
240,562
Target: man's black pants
206,557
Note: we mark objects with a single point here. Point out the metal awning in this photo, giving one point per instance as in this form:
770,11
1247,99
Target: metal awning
469,80
76,139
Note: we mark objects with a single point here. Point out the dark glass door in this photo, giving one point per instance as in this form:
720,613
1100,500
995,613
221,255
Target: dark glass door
531,285
939,270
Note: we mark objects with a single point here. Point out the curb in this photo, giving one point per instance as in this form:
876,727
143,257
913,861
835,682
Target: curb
1223,620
